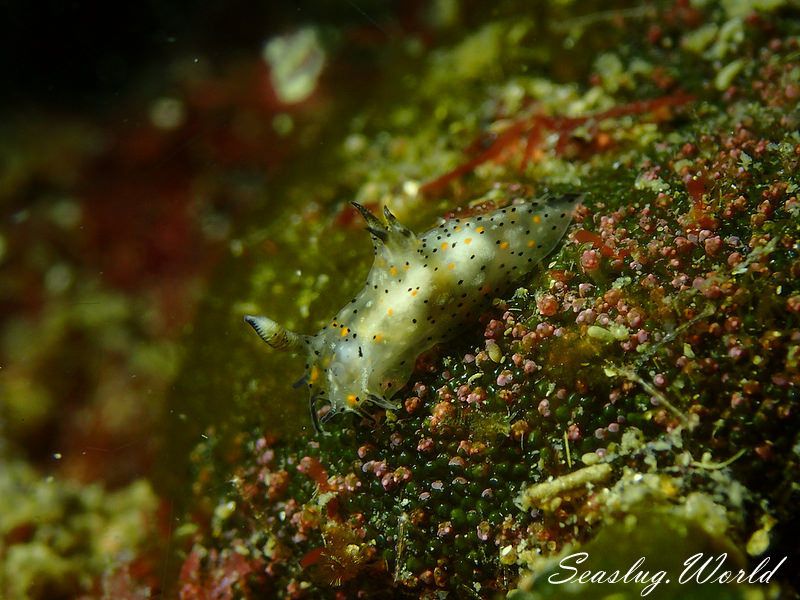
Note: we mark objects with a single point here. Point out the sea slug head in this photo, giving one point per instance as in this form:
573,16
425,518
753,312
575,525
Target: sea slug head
332,373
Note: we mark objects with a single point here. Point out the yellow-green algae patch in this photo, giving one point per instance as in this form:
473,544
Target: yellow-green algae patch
58,537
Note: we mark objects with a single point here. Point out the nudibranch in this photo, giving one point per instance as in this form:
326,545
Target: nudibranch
419,289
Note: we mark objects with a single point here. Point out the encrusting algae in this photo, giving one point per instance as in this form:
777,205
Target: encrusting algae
637,392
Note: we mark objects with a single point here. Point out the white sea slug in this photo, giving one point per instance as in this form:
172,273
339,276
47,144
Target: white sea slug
420,288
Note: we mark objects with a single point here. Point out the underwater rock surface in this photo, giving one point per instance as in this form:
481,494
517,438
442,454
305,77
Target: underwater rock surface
635,396
641,386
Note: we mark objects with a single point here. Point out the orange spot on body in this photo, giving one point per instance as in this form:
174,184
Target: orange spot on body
345,331
352,400
468,241
451,266
480,229
531,243
537,219
378,337
390,312
393,271
444,245
504,245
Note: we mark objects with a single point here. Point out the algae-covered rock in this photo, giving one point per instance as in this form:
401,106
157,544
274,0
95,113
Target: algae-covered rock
636,394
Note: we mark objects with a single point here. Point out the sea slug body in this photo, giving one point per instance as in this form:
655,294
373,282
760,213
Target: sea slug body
420,288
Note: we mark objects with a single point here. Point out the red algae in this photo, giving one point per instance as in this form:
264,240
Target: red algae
531,130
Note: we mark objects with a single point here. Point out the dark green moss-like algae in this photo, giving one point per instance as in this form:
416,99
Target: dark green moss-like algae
661,339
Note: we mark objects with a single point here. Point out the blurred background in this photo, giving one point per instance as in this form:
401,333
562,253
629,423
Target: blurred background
133,143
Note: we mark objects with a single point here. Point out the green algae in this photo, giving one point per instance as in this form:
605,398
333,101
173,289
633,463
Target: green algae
690,336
